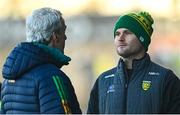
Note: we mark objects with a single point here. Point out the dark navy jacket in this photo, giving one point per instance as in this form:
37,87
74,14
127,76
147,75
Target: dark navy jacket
35,84
150,89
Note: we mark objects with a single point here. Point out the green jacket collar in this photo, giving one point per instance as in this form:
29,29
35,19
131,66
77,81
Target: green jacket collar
57,55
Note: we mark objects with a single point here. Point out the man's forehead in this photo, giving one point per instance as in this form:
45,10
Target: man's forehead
122,29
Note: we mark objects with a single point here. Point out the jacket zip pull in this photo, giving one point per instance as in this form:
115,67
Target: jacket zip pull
126,85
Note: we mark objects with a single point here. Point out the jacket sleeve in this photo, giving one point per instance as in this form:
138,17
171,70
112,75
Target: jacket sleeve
171,99
56,95
93,105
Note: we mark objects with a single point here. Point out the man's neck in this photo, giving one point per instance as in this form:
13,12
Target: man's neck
129,60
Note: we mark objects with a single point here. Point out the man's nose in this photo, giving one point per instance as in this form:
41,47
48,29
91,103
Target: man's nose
121,37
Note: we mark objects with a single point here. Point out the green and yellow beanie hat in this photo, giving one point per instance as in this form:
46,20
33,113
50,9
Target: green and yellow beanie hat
138,23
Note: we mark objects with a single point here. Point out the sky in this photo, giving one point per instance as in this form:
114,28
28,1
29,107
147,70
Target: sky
159,8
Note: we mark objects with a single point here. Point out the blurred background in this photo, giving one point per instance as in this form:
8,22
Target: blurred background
90,41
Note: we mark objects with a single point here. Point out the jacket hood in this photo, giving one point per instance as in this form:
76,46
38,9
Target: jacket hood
27,56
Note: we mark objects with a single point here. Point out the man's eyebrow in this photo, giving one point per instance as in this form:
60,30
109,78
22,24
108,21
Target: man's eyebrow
127,31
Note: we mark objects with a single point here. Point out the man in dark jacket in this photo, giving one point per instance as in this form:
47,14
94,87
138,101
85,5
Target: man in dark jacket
137,85
33,81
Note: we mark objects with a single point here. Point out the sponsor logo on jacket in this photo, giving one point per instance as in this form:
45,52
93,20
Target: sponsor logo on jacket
111,89
154,73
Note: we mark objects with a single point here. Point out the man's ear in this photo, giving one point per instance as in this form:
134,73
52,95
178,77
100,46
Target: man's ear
53,39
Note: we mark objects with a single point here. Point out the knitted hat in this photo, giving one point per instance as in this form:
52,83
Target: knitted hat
138,23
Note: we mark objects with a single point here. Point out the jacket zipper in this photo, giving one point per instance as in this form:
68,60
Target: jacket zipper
125,100
126,91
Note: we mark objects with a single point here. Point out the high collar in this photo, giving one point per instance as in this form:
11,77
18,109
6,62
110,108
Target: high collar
137,64
57,56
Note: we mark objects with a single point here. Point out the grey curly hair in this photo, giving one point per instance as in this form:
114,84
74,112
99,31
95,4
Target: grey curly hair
41,24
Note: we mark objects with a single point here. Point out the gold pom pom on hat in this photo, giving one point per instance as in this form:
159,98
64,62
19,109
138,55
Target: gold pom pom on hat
147,16
147,21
